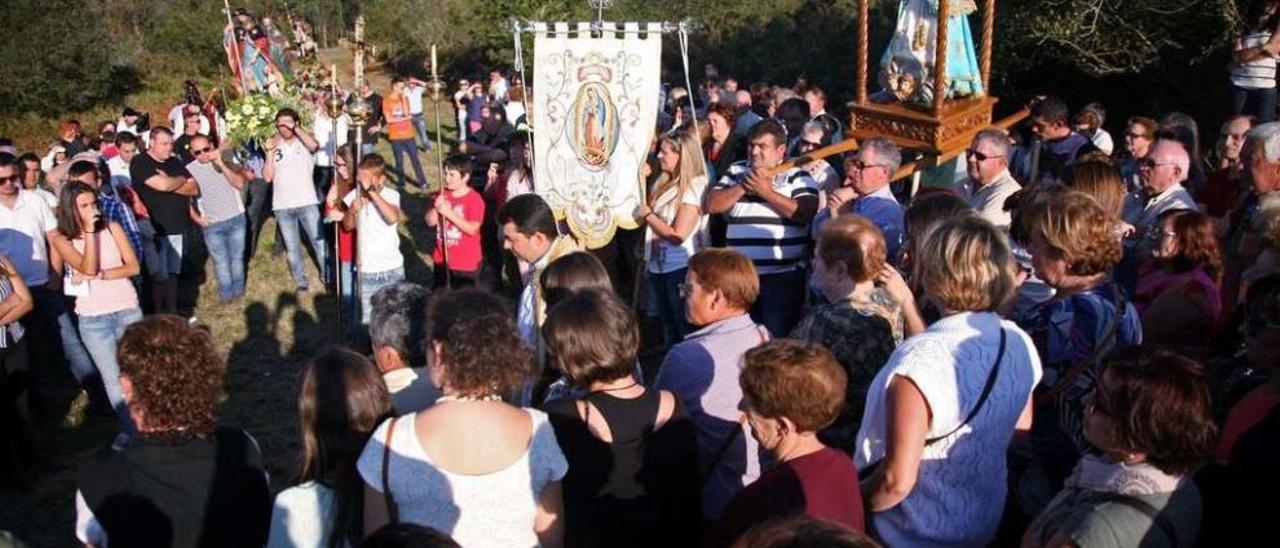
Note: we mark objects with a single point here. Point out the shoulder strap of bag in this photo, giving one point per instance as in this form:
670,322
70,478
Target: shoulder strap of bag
393,511
1152,512
1099,350
986,393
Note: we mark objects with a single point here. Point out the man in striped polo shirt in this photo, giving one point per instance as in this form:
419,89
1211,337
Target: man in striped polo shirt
768,219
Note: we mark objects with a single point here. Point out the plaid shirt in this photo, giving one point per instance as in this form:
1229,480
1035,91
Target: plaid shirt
116,211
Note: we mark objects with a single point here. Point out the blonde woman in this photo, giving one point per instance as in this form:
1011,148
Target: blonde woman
675,219
940,414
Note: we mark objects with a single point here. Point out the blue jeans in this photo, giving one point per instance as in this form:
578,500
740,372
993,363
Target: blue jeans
420,125
408,146
347,292
1261,103
100,334
309,217
370,283
225,240
666,293
781,301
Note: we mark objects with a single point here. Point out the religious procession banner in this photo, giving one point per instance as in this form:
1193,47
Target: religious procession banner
595,103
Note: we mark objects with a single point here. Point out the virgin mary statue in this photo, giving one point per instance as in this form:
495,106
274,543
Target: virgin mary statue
906,68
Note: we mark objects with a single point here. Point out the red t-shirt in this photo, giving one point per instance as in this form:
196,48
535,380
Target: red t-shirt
464,249
346,239
821,485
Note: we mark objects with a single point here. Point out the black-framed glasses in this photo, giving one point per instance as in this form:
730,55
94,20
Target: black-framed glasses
10,179
1151,163
1133,135
979,156
685,288
201,150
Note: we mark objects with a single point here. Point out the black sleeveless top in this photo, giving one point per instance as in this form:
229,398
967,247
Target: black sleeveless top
642,489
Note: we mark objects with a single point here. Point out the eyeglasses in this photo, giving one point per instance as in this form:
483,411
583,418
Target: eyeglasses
201,150
970,153
1133,135
1150,163
684,288
10,179
809,144
863,166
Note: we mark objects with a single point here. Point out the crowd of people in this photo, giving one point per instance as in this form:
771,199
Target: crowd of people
1069,344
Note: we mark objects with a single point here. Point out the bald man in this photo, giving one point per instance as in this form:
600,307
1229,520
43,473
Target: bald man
1162,172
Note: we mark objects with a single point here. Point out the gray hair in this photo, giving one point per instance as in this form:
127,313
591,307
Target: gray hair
886,153
996,138
1266,136
398,317
814,127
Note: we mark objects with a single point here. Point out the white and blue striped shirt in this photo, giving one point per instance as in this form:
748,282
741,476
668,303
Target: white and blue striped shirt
773,242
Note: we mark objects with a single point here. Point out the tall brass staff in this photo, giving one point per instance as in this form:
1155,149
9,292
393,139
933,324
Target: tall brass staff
359,112
436,85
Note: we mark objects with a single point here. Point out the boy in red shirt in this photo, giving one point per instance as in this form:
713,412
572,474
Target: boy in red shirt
457,213
395,108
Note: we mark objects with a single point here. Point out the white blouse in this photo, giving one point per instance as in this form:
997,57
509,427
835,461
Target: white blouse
495,509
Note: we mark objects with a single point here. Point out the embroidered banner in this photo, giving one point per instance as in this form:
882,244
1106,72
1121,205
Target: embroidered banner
595,103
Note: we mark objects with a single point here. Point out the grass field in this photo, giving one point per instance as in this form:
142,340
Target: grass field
266,338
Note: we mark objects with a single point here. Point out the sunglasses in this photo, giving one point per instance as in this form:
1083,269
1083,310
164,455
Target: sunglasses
201,150
10,179
970,153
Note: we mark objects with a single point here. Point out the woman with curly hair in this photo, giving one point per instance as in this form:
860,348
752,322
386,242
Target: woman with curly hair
1074,247
1178,291
1150,418
341,400
184,480
471,466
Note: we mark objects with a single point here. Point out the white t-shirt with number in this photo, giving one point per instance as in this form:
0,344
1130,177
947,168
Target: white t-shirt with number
379,241
293,185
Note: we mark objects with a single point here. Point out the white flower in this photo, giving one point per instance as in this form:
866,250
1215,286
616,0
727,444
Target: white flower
247,109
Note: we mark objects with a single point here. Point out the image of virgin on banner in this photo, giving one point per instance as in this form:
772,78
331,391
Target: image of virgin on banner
595,104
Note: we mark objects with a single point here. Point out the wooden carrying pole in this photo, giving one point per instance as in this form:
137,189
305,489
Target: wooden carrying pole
850,145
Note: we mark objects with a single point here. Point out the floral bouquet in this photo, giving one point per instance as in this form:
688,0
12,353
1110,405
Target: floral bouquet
251,118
